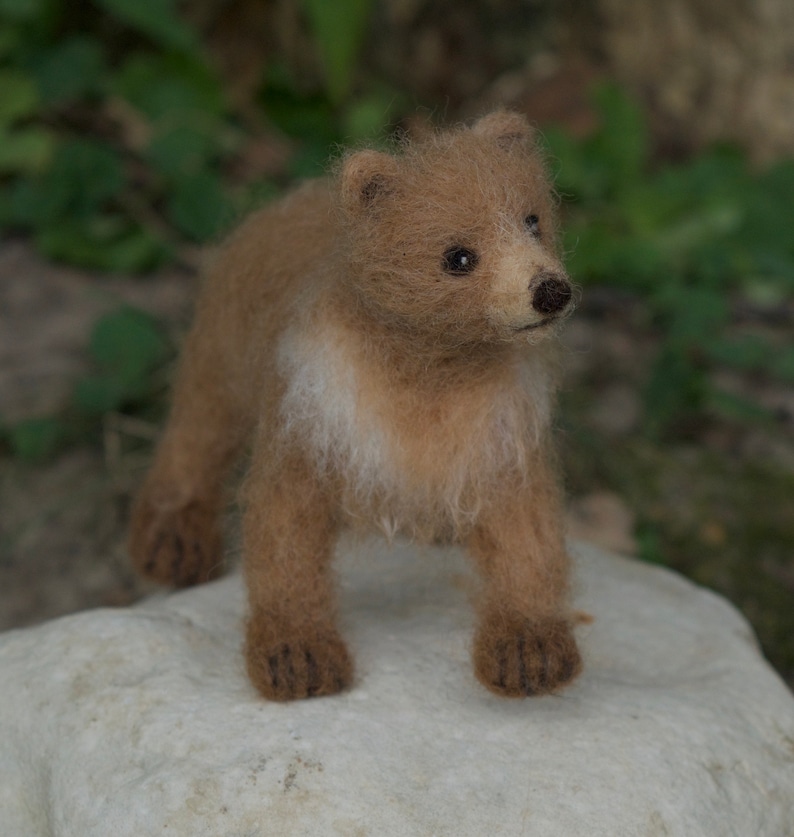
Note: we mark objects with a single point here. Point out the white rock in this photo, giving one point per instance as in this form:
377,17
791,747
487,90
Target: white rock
141,721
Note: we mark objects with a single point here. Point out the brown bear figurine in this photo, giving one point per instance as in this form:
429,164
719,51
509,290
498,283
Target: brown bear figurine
383,341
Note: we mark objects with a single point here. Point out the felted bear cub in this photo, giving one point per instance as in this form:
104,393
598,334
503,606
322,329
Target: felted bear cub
383,341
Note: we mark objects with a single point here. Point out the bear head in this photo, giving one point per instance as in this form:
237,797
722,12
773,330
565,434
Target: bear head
455,238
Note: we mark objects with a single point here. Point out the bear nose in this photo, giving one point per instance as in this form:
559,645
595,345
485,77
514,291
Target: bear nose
551,295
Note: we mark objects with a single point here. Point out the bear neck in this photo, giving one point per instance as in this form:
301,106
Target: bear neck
412,355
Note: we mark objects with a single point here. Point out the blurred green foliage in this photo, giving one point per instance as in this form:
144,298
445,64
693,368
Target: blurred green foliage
695,240
116,135
128,351
127,348
339,29
72,167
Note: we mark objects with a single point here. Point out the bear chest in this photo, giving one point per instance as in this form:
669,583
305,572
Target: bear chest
408,458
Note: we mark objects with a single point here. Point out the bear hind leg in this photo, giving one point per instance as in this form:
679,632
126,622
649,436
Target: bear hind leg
179,545
175,529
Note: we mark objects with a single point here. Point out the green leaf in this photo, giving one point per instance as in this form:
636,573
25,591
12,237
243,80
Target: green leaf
299,114
676,387
93,171
694,313
198,205
747,353
70,70
157,19
136,250
98,394
735,407
697,229
565,156
6,213
310,160
598,253
21,10
165,87
769,218
128,345
180,150
365,117
590,249
611,160
783,365
769,279
9,42
18,96
622,143
649,546
27,150
107,244
339,29
254,195
649,205
35,440
85,174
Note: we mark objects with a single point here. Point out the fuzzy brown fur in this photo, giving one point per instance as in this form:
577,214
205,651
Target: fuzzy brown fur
383,340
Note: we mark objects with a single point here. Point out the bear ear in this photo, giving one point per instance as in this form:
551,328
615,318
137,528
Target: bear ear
506,128
367,176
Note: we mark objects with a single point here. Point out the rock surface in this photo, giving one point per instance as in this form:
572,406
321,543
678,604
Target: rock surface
141,721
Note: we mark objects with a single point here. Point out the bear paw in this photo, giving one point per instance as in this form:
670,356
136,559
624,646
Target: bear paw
181,547
525,658
298,667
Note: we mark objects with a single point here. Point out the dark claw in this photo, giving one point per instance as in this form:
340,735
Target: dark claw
178,557
526,658
501,655
523,677
272,665
312,675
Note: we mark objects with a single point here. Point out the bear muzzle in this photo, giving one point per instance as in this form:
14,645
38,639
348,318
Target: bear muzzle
551,293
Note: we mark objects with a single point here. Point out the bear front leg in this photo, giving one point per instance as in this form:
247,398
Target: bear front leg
293,647
524,643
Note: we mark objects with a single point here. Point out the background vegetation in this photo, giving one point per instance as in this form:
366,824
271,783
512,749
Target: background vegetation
123,147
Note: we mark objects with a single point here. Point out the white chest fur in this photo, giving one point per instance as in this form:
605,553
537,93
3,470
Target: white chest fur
408,462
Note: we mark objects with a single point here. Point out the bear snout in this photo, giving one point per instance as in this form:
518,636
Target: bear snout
551,293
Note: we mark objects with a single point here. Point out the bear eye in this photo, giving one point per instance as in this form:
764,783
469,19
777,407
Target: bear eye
532,223
459,260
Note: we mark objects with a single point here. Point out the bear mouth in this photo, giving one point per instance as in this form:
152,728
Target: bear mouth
532,326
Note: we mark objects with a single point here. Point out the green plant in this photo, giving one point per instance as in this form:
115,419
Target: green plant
117,136
128,353
99,89
339,30
694,240
127,348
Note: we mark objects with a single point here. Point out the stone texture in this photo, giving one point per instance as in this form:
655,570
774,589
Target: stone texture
140,721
